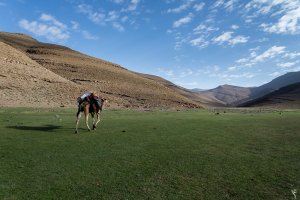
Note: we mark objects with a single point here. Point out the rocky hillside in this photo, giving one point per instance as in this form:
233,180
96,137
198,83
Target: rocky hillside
23,82
41,74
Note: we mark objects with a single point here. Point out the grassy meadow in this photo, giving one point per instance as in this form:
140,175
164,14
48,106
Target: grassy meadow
149,155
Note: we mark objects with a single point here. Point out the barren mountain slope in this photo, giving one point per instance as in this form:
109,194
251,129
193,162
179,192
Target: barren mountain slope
195,96
285,97
227,94
23,82
122,87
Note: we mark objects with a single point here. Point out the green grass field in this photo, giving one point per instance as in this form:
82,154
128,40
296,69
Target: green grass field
149,155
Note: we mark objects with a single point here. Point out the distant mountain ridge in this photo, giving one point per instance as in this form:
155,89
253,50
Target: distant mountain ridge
275,84
285,97
229,95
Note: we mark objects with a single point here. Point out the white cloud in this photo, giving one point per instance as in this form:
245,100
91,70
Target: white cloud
118,1
286,14
235,27
218,3
229,75
87,35
270,53
133,5
199,42
186,72
292,55
166,72
288,24
198,7
225,37
181,8
275,74
232,68
47,26
124,19
286,65
185,20
96,17
242,60
51,19
238,39
118,26
75,25
204,29
254,58
112,16
229,5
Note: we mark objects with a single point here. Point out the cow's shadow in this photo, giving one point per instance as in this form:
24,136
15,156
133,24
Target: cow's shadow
44,128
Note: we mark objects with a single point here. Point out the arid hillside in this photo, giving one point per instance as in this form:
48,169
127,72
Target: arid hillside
23,82
227,95
38,73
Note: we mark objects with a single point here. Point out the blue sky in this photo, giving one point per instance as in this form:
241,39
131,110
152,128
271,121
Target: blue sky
193,43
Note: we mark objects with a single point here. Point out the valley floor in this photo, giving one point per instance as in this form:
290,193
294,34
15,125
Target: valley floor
206,154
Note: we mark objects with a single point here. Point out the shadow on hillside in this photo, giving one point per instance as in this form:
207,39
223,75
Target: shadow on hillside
47,128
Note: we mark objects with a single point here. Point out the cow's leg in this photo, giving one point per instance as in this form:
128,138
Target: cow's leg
98,119
77,121
87,122
86,116
93,117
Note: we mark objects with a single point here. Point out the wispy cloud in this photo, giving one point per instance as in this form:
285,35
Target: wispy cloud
182,21
87,35
200,42
166,72
198,7
103,18
112,16
75,25
287,24
133,5
227,37
286,65
204,29
118,26
292,55
182,7
285,13
256,58
96,17
238,40
270,53
117,1
228,5
46,26
235,27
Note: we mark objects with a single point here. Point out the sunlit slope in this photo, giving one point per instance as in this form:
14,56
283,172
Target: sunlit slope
122,87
